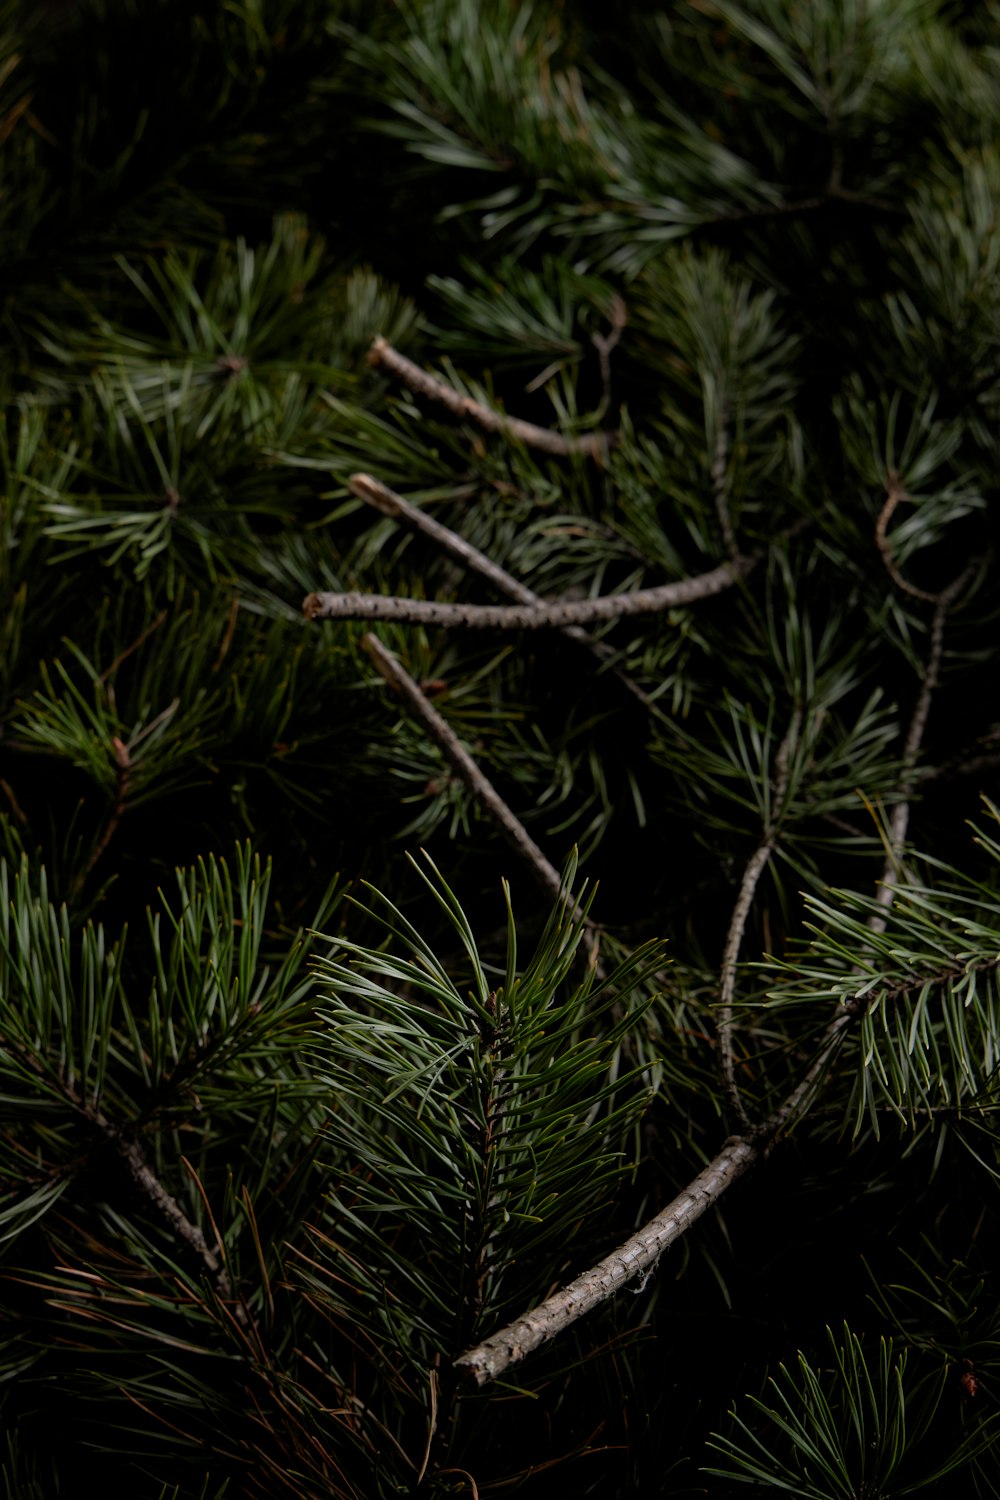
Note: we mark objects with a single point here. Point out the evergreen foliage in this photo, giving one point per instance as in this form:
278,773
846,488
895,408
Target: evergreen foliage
376,998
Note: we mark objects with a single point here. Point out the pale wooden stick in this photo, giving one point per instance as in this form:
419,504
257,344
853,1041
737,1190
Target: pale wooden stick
594,444
490,1359
542,616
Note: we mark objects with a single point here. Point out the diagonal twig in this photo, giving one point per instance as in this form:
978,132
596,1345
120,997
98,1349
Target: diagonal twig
755,868
464,766
593,444
900,820
490,1359
542,616
144,1179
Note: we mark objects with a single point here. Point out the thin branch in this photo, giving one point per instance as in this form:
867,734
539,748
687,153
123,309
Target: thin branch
755,868
594,444
939,977
123,763
900,820
376,494
390,504
542,616
834,194
720,477
464,766
139,641
895,493
496,1354
605,345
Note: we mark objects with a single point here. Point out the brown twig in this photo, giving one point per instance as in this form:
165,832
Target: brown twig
140,640
900,820
133,1159
605,344
755,868
895,493
595,444
720,477
462,763
544,616
391,504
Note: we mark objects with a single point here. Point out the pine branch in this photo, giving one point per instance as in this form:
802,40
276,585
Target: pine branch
143,1178
490,1359
544,616
594,445
641,1251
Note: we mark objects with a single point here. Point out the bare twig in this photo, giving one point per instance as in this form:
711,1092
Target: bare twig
464,766
139,641
488,1360
755,867
391,504
720,478
594,444
605,345
900,820
543,616
895,493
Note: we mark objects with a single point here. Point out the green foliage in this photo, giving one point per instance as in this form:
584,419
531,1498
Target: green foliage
250,1213
502,1110
848,1430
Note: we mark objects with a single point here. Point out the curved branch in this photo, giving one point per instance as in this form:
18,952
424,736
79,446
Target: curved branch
541,616
755,868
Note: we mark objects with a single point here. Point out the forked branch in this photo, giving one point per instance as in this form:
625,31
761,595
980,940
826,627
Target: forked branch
391,504
490,1359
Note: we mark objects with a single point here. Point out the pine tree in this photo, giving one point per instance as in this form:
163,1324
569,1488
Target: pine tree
500,920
